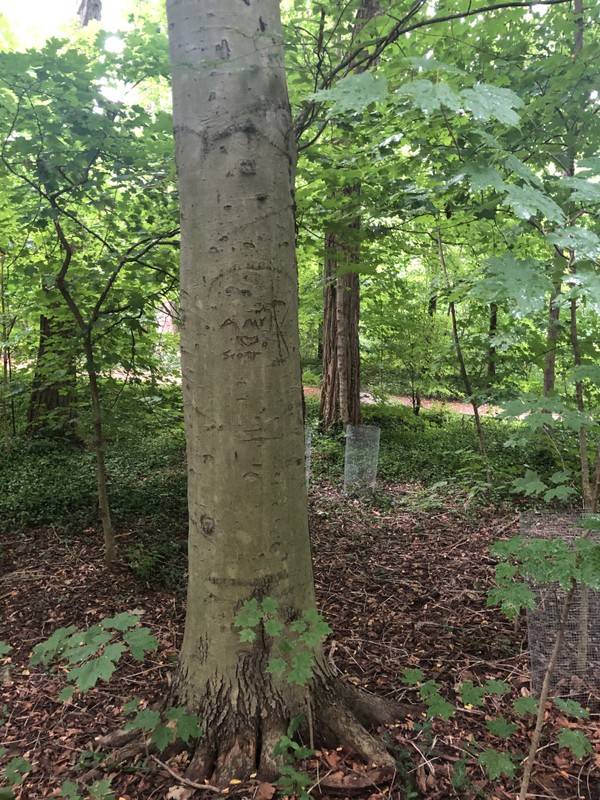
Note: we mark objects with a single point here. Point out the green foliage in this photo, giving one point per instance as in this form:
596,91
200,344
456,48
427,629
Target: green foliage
497,764
543,561
526,706
16,769
354,92
99,790
576,741
292,781
501,727
95,650
571,708
164,728
295,639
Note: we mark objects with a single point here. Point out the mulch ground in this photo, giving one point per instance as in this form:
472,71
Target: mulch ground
401,579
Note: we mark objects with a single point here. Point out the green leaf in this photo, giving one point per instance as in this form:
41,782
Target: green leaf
519,280
584,191
471,695
437,706
132,705
8,794
140,642
501,727
66,694
432,65
528,202
188,725
44,652
576,742
277,666
530,485
87,675
101,789
484,177
121,622
4,649
145,720
70,790
298,626
315,620
583,242
496,687
16,769
273,627
571,708
247,635
492,102
515,165
497,764
249,616
302,669
411,677
512,598
269,605
114,651
86,644
428,96
526,705
354,92
162,736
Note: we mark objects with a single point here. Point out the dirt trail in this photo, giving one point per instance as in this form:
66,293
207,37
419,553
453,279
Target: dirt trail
404,400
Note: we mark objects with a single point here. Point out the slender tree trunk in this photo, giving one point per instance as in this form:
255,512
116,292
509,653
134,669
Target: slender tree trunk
7,326
110,546
329,410
248,528
552,336
492,330
463,368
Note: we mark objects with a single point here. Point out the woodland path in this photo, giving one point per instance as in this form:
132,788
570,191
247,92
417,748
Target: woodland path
404,400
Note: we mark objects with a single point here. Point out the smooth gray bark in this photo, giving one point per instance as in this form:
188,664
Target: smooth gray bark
248,525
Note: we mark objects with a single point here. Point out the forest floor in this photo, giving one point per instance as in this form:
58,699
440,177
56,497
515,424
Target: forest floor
402,579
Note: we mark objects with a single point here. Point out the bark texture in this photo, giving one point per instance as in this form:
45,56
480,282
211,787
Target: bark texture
340,391
89,10
248,526
52,404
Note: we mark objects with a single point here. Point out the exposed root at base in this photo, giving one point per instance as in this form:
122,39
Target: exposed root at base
338,715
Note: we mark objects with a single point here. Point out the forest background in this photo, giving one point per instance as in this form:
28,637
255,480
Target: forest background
447,241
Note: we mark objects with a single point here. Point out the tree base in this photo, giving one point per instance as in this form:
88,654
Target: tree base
236,747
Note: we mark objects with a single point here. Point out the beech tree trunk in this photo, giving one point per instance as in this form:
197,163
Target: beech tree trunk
248,528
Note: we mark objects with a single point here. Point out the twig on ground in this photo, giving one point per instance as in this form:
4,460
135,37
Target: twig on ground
206,787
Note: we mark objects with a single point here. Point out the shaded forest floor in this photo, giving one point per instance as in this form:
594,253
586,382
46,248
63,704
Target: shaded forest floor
402,579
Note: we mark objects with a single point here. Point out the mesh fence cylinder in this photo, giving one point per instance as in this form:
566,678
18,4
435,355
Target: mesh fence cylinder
577,672
361,457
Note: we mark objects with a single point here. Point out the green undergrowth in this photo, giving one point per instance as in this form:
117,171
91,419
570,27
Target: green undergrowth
436,447
52,484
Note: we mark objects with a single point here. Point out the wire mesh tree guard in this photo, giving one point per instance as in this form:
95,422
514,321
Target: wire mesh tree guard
577,671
